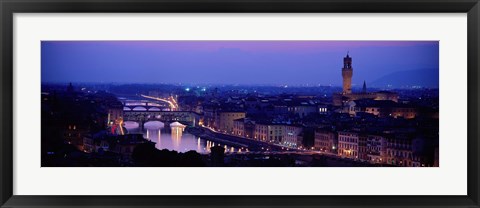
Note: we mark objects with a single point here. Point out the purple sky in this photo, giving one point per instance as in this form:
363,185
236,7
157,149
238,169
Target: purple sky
231,62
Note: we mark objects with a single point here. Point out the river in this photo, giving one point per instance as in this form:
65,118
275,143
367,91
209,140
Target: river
174,138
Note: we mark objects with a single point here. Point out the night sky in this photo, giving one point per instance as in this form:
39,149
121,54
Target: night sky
232,62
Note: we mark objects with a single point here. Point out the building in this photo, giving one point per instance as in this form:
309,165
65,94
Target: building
239,127
115,112
376,148
252,105
326,141
362,147
244,127
74,134
348,144
210,115
276,133
261,132
249,129
283,134
269,132
322,109
400,150
225,120
302,108
290,138
221,118
347,95
347,73
381,108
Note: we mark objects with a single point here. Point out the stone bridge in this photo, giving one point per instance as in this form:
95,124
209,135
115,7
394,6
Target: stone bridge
143,108
185,117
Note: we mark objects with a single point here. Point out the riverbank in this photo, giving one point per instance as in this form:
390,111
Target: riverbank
252,145
202,133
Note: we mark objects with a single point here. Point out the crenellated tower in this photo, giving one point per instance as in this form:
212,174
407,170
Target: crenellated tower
347,73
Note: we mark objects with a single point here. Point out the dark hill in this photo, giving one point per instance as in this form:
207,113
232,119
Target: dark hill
400,79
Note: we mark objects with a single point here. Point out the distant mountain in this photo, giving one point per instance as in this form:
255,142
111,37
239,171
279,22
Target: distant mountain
401,79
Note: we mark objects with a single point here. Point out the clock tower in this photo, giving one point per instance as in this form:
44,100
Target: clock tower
347,73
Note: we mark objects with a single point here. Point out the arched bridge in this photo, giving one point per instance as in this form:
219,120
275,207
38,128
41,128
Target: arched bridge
151,103
144,108
185,117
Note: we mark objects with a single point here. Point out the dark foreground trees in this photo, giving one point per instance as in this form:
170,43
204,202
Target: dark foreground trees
146,155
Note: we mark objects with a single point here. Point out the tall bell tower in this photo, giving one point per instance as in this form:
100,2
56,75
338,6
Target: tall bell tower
347,73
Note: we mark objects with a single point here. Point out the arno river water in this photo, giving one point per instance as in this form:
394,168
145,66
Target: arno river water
173,137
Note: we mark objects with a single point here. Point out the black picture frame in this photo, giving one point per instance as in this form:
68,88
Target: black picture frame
10,7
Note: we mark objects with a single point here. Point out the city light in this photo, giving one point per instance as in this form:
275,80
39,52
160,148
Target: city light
355,116
172,102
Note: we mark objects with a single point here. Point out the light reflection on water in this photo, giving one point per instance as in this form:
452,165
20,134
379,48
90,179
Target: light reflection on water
175,138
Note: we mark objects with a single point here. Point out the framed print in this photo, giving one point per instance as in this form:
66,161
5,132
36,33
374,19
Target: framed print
246,104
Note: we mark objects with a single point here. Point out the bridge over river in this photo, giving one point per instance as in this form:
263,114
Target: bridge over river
144,108
188,118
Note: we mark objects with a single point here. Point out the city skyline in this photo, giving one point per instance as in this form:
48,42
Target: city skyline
385,114
295,63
